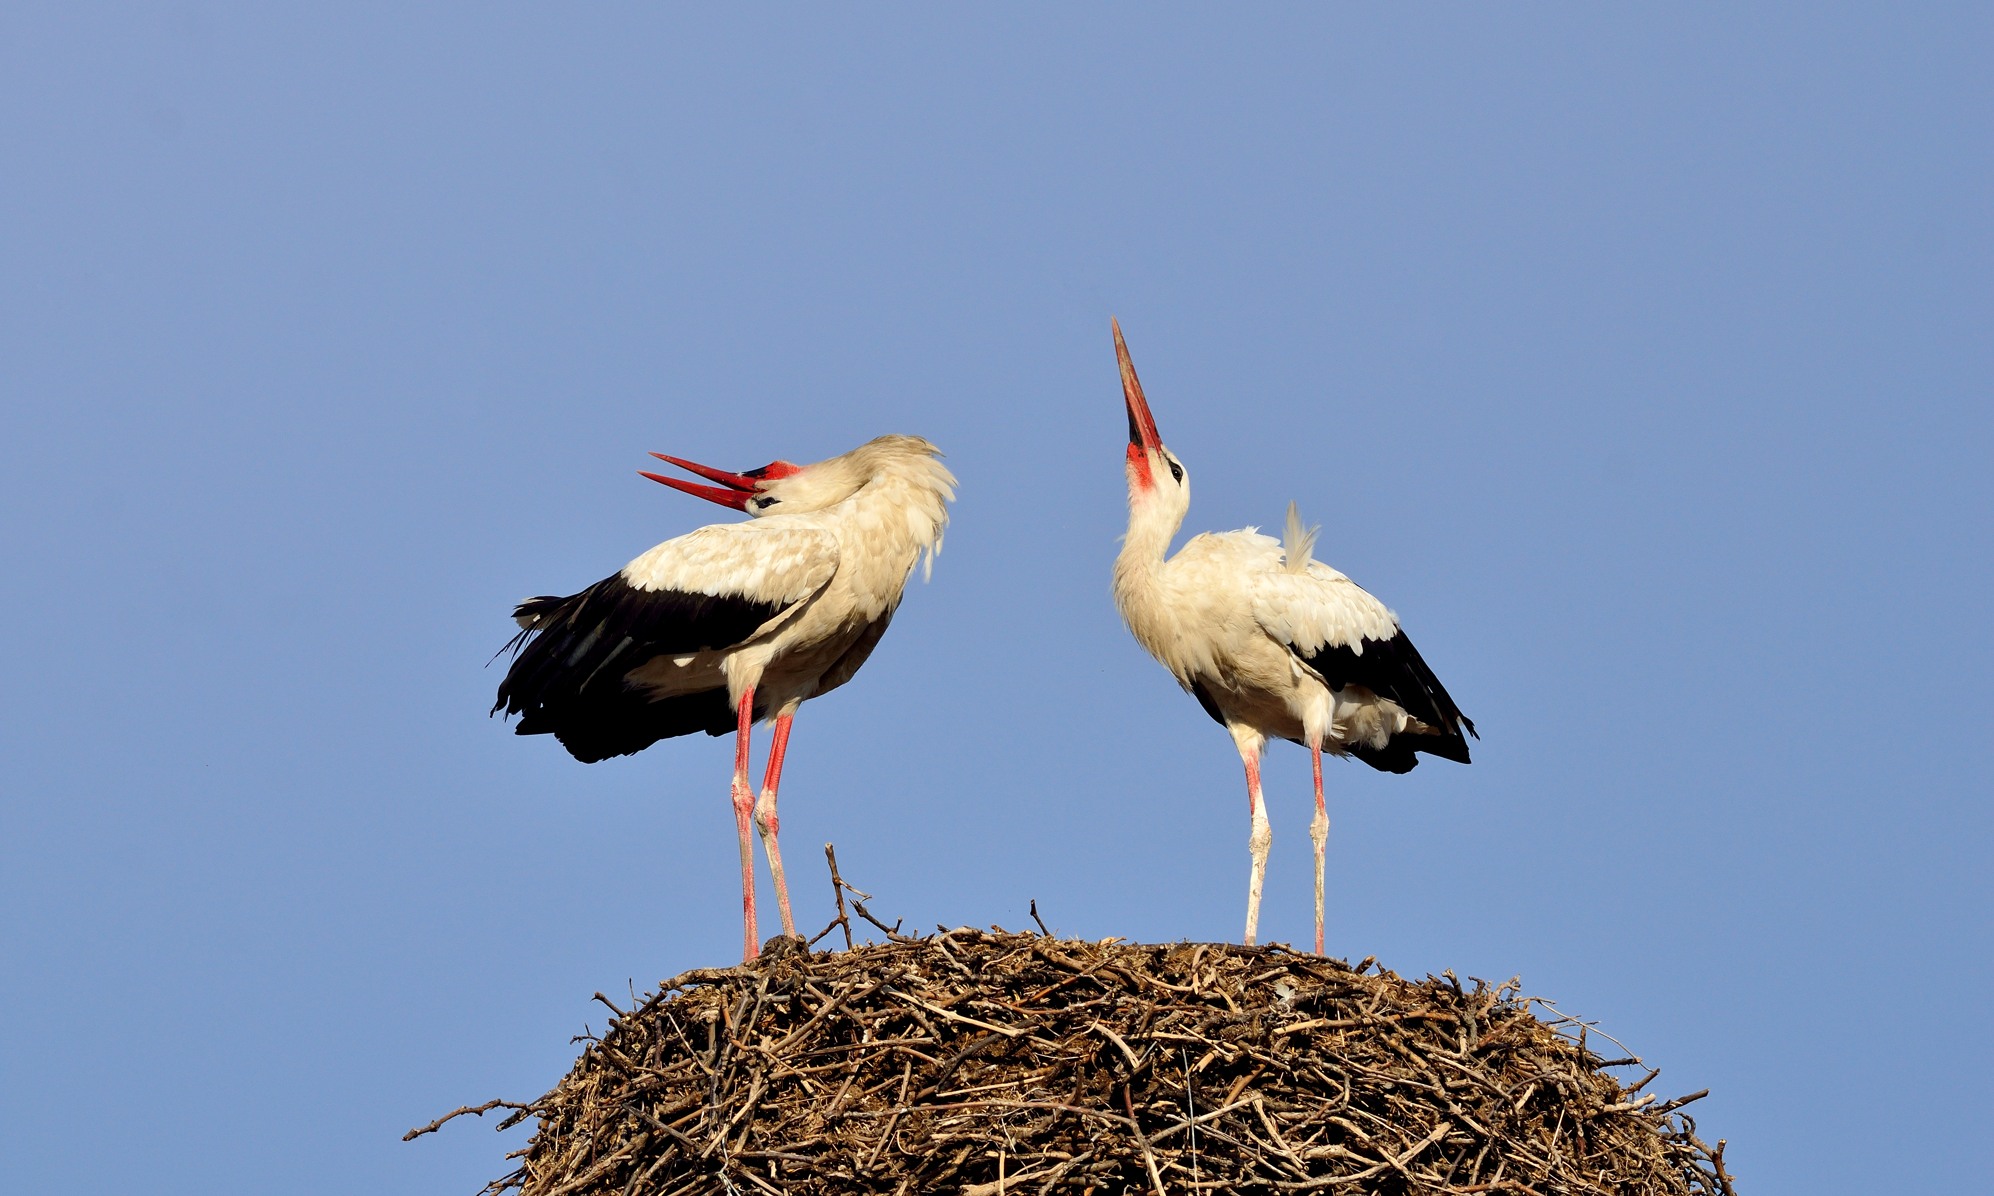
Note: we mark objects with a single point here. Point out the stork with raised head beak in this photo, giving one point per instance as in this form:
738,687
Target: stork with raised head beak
735,622
1272,643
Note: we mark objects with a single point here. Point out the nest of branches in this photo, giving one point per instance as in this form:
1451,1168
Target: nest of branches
988,1063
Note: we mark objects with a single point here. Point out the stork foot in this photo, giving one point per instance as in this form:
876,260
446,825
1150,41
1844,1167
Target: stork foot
785,946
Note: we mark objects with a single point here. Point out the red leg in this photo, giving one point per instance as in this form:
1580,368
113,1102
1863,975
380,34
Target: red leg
1318,831
765,817
744,806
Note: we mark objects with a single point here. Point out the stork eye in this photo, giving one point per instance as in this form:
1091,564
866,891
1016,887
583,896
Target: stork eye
1176,470
764,502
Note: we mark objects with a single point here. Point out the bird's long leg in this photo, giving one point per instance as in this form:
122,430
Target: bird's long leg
765,816
1262,835
1319,832
744,806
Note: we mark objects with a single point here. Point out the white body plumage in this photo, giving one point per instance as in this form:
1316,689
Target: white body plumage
1229,610
837,573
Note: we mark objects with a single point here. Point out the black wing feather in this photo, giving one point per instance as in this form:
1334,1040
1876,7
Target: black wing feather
603,723
1395,670
568,677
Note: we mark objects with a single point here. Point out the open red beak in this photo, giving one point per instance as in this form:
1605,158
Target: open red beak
734,491
1142,425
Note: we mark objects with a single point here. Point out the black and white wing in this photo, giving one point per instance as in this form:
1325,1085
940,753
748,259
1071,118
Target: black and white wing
1350,638
711,590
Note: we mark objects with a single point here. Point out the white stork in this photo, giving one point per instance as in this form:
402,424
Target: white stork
735,622
1271,643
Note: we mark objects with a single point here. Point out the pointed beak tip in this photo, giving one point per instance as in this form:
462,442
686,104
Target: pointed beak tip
737,499
1142,425
733,481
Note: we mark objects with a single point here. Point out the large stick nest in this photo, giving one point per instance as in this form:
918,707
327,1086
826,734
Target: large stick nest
990,1063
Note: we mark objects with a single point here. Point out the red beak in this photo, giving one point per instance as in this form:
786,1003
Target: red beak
1142,425
735,489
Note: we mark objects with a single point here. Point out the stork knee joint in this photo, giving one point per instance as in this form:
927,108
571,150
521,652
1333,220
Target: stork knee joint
1261,838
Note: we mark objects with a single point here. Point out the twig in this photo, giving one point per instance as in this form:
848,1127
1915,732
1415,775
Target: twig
892,932
1035,918
1190,1112
479,1110
838,888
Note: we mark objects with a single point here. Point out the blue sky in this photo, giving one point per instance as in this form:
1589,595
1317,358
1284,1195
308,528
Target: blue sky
1640,361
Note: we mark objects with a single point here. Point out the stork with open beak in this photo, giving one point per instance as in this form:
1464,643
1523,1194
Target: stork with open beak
735,622
1272,643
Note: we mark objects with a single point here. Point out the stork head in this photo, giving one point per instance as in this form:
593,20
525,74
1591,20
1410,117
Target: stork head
759,492
1157,480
